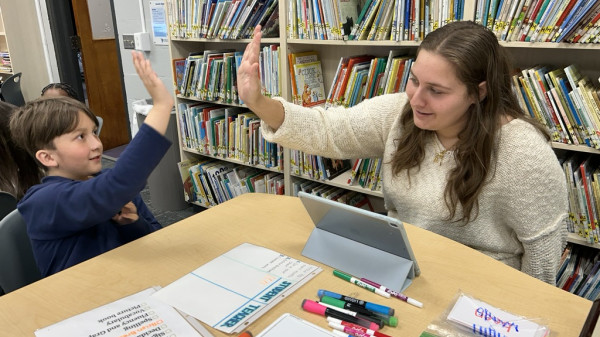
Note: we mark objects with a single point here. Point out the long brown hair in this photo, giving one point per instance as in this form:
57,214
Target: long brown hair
477,57
18,170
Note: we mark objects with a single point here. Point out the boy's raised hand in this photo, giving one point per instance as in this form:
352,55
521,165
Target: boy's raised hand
158,117
155,87
249,86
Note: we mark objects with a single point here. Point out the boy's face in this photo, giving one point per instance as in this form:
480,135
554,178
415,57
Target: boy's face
77,154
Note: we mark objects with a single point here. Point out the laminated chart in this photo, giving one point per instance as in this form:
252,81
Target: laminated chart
237,287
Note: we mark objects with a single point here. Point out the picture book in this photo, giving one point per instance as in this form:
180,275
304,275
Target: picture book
178,72
188,187
309,83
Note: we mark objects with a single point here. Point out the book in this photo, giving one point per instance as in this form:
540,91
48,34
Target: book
309,83
189,194
335,167
299,58
139,312
178,73
246,281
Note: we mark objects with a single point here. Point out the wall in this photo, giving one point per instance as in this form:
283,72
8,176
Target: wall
130,19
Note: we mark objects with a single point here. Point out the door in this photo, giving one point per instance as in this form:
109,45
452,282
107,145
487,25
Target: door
103,79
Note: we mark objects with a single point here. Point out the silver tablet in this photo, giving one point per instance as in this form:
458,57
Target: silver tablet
359,242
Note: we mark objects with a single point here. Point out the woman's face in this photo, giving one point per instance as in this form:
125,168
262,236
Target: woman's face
439,100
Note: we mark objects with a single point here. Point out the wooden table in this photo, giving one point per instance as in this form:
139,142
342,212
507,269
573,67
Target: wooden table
281,223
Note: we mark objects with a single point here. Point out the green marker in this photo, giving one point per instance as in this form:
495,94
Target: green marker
360,283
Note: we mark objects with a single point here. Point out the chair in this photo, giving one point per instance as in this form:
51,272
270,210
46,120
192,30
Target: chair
16,255
8,203
11,90
100,122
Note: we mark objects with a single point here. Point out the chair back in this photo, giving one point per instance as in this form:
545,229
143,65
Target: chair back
8,203
11,90
16,254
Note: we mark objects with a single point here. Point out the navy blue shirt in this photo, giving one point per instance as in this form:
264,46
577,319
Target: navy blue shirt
69,221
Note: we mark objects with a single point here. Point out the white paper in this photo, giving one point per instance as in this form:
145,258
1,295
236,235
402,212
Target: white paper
288,325
136,315
237,287
159,23
485,320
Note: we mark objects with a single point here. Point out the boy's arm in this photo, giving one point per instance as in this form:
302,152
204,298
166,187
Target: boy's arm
266,108
158,117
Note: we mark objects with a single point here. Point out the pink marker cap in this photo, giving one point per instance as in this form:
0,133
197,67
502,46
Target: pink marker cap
313,307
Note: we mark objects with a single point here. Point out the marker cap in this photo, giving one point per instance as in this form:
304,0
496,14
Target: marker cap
342,275
322,293
414,302
313,307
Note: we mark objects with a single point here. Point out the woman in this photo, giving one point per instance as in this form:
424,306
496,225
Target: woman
460,157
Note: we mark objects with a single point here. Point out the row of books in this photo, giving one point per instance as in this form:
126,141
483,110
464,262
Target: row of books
378,20
579,272
352,198
209,182
223,19
583,183
227,132
365,172
365,76
211,75
563,100
5,63
574,21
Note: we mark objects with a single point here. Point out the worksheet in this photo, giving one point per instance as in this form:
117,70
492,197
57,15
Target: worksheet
136,315
236,288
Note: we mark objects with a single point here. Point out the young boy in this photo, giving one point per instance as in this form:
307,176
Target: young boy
79,211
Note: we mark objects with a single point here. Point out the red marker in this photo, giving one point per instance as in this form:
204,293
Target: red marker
353,329
314,307
245,334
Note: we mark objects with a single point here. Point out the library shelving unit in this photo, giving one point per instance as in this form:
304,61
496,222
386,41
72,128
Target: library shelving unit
5,61
524,54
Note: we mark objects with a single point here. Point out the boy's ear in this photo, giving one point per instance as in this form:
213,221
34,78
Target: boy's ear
46,158
482,90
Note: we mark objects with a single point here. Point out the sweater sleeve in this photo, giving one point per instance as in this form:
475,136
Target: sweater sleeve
357,132
534,202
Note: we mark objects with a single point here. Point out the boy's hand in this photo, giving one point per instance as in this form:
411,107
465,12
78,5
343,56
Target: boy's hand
158,116
249,86
127,215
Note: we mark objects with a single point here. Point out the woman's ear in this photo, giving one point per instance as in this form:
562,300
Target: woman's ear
46,158
482,90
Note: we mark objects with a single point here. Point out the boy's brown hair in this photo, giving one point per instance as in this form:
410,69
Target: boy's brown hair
35,125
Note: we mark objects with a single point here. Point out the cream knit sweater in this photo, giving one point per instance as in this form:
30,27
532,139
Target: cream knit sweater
522,210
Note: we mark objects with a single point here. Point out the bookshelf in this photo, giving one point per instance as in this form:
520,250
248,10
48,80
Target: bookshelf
6,69
524,54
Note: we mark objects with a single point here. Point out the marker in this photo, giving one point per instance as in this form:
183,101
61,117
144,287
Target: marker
360,283
314,307
341,334
345,305
349,330
245,334
353,328
394,293
373,318
367,305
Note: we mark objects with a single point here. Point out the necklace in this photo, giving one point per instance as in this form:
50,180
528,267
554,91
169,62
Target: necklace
439,157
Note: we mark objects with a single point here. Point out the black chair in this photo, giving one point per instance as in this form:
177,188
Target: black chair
11,90
8,203
16,255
